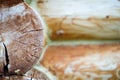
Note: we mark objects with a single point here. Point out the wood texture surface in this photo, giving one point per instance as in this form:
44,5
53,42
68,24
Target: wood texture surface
21,35
86,19
83,62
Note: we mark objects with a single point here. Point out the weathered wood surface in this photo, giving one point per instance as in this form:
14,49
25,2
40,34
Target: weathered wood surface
81,19
21,38
83,62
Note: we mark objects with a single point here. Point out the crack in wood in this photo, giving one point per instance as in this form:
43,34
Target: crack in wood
6,70
33,30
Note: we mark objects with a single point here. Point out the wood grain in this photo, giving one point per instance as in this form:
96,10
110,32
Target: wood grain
76,19
83,62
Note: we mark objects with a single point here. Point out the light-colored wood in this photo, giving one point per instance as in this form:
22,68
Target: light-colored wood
81,19
83,62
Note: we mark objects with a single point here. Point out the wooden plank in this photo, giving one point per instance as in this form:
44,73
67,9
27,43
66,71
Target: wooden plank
81,19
